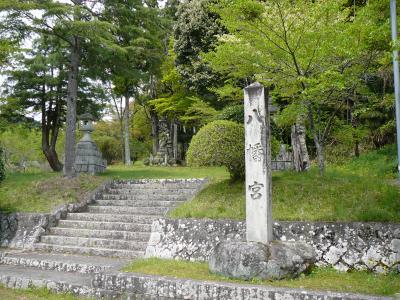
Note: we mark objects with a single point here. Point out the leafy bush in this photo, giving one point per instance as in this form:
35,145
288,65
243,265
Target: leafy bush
232,113
110,148
21,144
219,143
2,166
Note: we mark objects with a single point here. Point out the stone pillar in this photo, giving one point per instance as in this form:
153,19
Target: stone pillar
301,159
175,141
258,165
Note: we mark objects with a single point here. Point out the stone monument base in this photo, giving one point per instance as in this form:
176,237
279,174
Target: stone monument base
248,260
160,160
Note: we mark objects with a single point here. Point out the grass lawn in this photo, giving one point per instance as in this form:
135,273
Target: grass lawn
138,170
361,190
33,294
318,279
38,191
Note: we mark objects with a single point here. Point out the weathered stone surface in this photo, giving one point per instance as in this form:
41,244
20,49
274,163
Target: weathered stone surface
110,284
360,246
301,159
156,287
112,225
248,260
88,158
22,230
258,165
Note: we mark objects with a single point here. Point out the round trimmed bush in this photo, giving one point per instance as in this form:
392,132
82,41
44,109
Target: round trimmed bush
2,166
219,143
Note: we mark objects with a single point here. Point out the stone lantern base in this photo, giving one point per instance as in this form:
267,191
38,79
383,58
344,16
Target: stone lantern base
248,260
88,158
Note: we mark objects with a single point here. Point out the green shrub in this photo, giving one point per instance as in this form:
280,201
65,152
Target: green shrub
110,148
232,113
219,143
2,166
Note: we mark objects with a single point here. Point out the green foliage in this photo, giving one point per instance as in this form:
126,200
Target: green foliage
275,146
310,197
219,143
176,101
39,191
326,60
6,48
343,142
139,33
318,279
107,137
2,166
110,148
21,144
232,113
196,31
381,163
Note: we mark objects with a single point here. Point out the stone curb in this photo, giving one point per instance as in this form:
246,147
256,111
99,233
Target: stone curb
160,287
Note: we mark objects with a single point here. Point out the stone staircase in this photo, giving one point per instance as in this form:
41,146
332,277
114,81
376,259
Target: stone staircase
118,222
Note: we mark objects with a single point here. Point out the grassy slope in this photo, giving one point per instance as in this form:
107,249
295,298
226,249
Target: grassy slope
33,294
138,170
318,279
361,190
35,191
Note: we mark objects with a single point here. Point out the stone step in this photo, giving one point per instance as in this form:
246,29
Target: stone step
142,197
158,185
152,192
106,252
93,242
138,218
23,277
144,210
102,234
61,262
119,226
139,203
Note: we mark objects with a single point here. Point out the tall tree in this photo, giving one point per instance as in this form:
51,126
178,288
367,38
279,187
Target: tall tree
196,30
78,25
306,50
138,32
39,84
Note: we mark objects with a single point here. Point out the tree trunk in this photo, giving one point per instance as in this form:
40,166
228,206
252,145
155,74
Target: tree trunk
357,149
318,144
320,155
52,158
121,137
127,150
72,92
154,131
301,160
48,149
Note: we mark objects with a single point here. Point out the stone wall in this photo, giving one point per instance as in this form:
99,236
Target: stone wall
21,230
360,246
139,286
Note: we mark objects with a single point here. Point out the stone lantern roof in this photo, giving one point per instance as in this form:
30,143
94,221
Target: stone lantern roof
86,117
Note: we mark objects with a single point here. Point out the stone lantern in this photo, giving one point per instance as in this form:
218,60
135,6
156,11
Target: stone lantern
88,157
